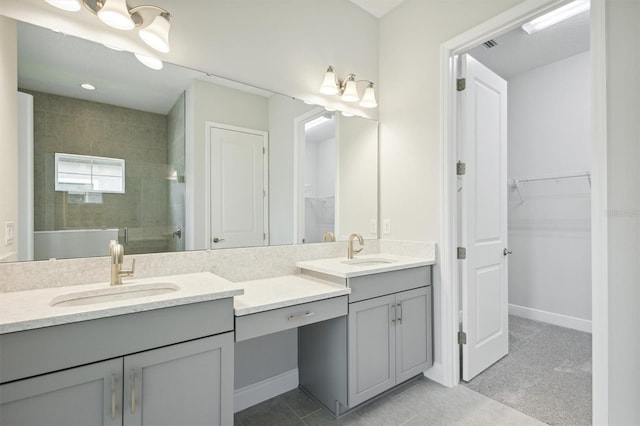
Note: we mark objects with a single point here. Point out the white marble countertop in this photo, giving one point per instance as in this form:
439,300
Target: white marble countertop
371,264
24,310
279,292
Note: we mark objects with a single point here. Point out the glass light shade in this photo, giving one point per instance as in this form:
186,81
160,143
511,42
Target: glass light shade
350,91
555,16
115,13
369,98
156,34
153,63
329,86
68,5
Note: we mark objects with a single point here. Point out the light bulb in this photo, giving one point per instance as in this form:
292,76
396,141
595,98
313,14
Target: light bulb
115,13
68,5
156,34
153,63
369,97
350,90
329,86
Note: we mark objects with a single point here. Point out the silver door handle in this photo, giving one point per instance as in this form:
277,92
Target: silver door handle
506,252
393,316
217,240
113,397
299,316
399,309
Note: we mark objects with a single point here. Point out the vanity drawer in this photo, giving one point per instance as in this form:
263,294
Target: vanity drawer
376,285
262,323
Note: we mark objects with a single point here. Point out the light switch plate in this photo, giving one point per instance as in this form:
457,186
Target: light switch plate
9,233
386,226
373,226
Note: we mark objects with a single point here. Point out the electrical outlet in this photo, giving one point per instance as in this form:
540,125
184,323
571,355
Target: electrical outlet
373,226
386,226
9,233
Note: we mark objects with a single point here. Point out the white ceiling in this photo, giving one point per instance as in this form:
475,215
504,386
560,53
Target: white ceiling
518,52
378,8
57,63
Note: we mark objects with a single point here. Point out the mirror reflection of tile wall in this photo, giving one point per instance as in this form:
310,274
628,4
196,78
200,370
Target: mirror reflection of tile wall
74,126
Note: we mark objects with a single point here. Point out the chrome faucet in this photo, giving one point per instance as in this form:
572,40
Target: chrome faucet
116,251
350,250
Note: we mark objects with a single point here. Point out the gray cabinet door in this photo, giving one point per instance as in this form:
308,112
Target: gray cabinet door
82,396
372,365
413,329
185,384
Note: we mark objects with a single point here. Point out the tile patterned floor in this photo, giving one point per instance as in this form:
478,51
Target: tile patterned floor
420,402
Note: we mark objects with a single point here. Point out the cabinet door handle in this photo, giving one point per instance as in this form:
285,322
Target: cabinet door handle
399,309
299,316
133,391
393,315
113,397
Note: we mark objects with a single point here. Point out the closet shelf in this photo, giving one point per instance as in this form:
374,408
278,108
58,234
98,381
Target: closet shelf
516,182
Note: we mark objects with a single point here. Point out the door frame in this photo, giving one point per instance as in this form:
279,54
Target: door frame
207,184
299,134
447,371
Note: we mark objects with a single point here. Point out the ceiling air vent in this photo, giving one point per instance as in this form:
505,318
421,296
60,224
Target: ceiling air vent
490,43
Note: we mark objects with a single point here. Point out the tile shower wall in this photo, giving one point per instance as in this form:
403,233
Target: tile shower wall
74,126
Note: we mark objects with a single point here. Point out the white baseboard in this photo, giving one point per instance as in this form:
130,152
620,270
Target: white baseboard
551,318
265,389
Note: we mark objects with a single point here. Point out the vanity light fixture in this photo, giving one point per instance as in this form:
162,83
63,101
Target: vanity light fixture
556,16
117,14
347,89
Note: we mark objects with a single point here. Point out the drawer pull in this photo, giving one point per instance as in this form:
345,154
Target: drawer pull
299,316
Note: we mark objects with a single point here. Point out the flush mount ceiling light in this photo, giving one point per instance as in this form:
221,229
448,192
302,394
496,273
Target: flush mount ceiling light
347,89
555,16
117,14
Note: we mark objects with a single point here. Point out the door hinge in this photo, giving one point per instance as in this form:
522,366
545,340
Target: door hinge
461,84
264,150
264,237
461,168
264,193
462,253
462,338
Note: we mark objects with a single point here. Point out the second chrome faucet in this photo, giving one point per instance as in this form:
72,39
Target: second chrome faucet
350,250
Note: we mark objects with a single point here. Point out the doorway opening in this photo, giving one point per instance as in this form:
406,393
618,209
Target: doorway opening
549,227
316,177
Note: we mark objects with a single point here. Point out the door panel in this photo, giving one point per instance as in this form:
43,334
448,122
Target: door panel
484,218
79,396
371,348
237,189
184,384
412,333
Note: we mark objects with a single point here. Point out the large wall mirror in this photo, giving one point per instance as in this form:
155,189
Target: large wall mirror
175,159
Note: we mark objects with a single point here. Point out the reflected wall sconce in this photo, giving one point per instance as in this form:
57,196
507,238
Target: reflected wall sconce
348,89
117,14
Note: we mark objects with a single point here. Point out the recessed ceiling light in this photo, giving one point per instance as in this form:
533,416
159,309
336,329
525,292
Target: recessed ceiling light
88,86
556,16
347,114
316,122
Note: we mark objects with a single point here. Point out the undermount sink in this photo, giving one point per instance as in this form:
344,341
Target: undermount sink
113,294
367,261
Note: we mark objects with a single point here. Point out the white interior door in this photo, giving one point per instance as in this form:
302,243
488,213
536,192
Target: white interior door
237,190
483,106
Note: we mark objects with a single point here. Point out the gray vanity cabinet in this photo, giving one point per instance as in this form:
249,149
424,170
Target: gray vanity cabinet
178,384
169,366
385,340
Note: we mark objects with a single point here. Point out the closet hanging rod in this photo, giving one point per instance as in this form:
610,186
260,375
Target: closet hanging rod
515,182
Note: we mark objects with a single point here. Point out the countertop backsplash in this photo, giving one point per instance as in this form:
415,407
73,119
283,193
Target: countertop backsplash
240,264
